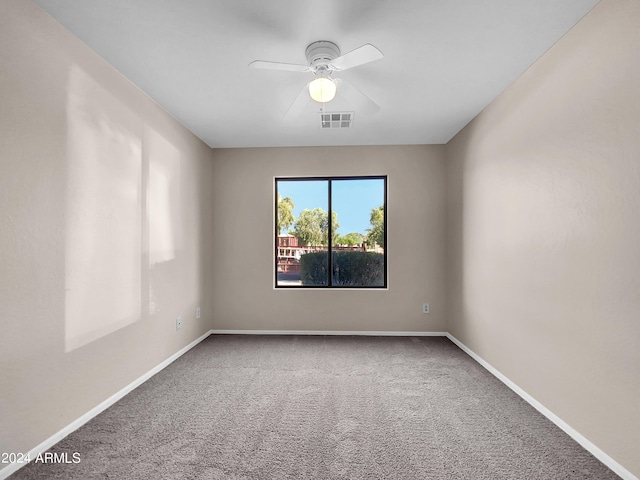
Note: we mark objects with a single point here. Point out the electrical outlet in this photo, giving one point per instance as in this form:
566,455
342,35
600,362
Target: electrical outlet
178,323
425,308
198,312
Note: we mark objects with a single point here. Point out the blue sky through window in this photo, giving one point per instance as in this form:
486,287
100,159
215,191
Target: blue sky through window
352,200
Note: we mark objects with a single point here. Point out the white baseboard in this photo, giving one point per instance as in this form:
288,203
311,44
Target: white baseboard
55,438
586,444
329,332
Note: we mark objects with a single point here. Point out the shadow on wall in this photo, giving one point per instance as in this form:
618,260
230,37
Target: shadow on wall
111,161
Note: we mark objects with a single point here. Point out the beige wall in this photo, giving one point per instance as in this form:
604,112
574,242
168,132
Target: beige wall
244,297
105,217
544,202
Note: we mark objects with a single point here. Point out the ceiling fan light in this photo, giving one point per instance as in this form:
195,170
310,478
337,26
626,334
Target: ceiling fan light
322,90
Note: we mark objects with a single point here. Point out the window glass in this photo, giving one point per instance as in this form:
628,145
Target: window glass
355,256
302,229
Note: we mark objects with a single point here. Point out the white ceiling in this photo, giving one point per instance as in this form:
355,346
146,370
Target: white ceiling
444,60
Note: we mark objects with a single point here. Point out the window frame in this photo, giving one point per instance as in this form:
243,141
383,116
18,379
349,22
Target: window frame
329,180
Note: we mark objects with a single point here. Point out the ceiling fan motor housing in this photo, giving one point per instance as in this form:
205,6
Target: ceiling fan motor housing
321,53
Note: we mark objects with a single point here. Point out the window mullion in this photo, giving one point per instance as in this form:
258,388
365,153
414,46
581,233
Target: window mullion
330,235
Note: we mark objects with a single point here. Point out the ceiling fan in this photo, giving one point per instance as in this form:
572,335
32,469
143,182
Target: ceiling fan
324,60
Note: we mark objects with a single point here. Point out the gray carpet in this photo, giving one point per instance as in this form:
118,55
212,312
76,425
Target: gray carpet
307,407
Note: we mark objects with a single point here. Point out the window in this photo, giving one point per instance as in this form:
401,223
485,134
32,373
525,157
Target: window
347,252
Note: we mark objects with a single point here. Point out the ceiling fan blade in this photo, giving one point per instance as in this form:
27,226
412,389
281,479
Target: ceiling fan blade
289,67
355,97
301,101
361,55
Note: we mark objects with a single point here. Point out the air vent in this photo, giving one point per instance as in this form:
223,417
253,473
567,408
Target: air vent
336,119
